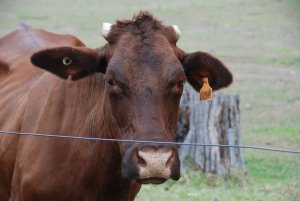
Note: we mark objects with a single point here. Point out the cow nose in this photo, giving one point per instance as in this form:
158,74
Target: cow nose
155,163
155,158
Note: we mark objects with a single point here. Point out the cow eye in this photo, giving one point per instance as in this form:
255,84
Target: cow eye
114,87
180,83
111,82
177,88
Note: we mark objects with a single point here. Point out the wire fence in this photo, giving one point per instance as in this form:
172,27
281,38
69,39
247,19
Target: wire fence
151,142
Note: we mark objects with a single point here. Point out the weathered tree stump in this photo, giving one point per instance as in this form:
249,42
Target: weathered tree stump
215,122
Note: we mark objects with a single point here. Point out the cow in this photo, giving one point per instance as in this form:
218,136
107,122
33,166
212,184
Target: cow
130,88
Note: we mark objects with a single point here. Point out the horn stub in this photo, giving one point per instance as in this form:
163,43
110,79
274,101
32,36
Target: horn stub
106,27
177,30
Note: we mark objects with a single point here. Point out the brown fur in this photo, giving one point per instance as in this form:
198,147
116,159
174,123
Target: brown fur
130,88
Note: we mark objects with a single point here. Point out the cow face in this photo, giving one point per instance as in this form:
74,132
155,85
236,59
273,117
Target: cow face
144,76
144,83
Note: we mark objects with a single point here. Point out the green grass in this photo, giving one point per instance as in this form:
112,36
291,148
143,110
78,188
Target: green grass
280,62
257,40
280,131
264,173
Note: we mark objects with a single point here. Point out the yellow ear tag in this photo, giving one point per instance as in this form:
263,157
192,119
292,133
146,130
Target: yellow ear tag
206,92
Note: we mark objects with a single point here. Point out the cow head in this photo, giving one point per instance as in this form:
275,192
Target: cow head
144,76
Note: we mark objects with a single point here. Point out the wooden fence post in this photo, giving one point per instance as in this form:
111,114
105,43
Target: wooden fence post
215,122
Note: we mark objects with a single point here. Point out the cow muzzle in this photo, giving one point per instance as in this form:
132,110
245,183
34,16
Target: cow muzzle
152,164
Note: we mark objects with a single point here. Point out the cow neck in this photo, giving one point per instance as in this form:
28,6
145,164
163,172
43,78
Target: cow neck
79,108
102,159
86,110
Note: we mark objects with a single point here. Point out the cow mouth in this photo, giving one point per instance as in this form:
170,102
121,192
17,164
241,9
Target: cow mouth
151,180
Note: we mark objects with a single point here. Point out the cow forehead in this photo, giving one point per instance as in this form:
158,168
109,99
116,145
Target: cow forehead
134,56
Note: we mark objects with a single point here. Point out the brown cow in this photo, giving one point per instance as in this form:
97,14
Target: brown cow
128,89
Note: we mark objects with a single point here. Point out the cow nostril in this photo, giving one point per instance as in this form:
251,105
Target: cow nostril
170,159
141,160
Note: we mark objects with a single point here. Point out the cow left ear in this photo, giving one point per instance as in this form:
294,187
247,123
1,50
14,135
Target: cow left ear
199,65
76,62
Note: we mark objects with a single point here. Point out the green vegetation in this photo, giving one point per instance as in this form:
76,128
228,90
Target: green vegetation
270,177
258,40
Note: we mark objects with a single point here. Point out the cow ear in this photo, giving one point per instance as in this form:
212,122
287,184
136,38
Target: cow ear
199,65
76,62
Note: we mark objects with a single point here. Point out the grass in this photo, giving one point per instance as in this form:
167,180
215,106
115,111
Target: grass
284,130
258,40
270,178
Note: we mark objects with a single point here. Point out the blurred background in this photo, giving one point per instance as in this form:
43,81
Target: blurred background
258,40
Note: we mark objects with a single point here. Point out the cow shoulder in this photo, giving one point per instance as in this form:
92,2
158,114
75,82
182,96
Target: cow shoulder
17,74
25,40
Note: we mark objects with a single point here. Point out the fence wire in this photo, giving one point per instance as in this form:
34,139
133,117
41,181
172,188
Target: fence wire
152,142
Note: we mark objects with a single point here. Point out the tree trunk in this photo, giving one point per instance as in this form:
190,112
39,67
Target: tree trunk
215,122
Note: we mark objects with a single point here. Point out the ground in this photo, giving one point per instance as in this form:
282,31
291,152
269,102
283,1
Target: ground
259,42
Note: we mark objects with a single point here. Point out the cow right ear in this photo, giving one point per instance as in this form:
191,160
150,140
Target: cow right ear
199,65
76,62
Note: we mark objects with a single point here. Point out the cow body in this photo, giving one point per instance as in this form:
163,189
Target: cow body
35,101
128,89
